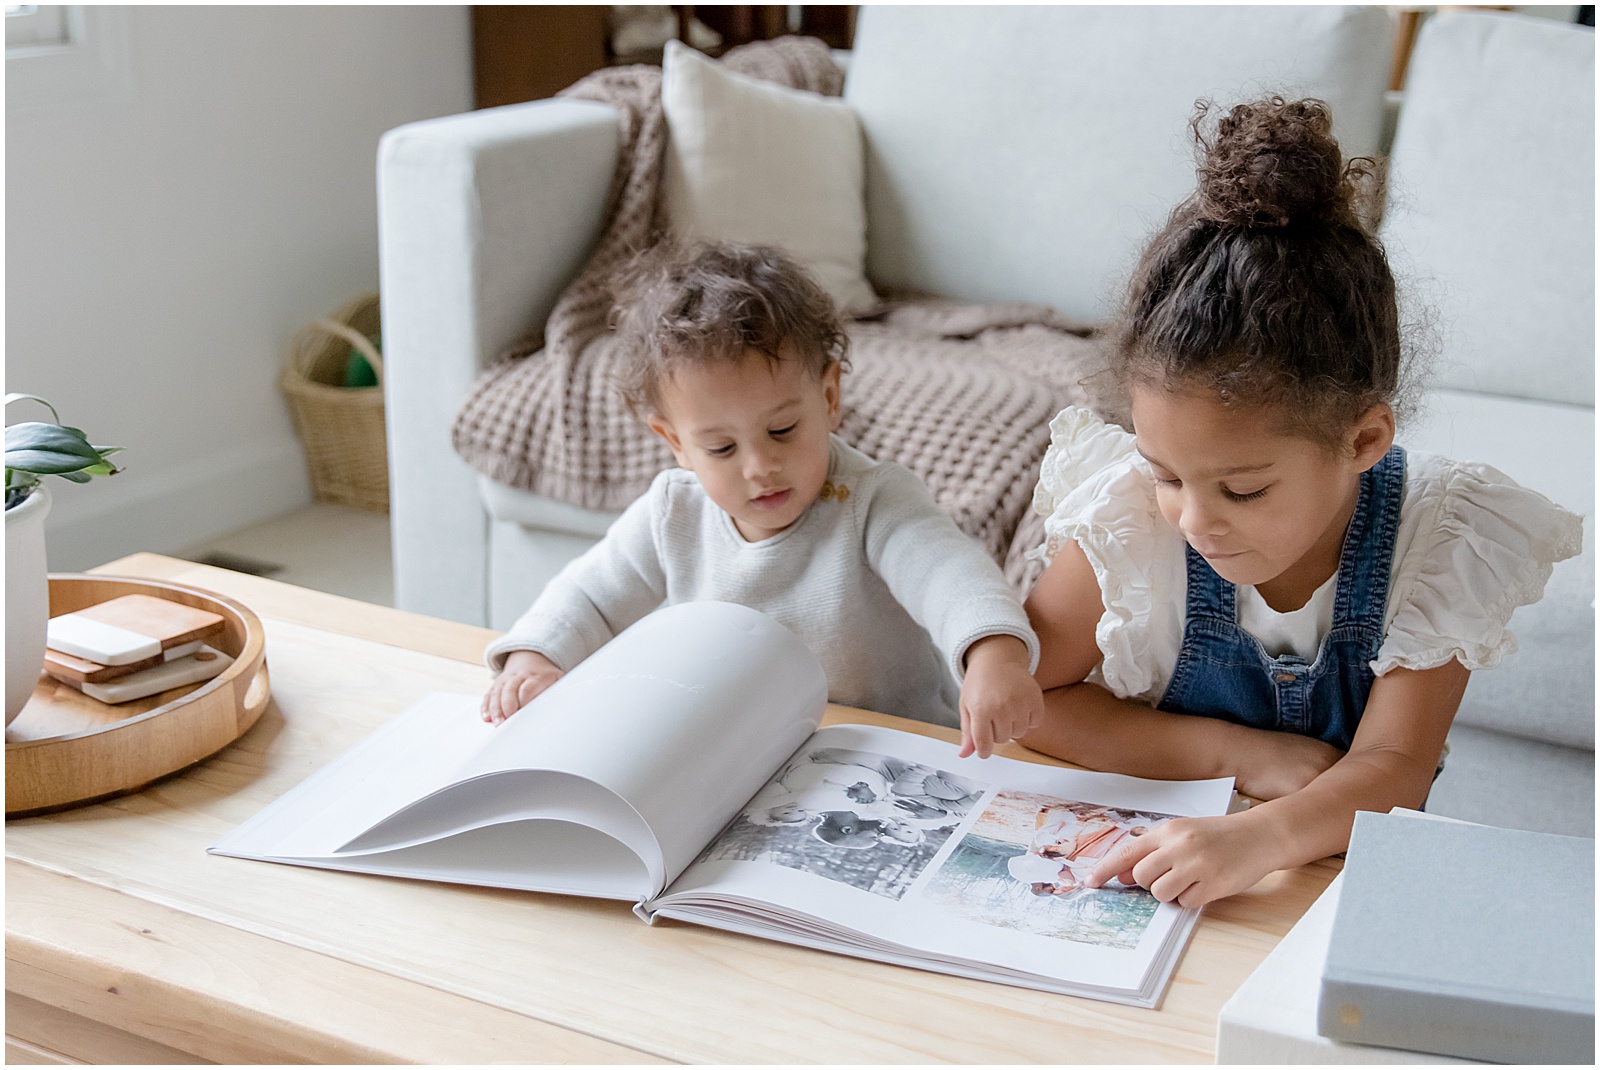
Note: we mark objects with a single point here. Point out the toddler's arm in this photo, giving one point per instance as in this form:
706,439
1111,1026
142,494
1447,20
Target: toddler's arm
999,699
525,675
614,583
951,587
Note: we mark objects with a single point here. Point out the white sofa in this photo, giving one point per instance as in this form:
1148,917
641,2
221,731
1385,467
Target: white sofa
1491,220
1018,153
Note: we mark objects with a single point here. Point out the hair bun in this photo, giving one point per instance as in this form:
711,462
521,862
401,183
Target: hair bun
1270,163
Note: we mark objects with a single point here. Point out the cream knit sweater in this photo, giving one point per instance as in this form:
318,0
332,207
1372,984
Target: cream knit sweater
874,577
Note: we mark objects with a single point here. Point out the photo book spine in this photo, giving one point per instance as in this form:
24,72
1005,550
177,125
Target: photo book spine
1398,1013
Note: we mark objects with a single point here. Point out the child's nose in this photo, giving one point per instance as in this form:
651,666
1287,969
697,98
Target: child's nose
1199,518
762,461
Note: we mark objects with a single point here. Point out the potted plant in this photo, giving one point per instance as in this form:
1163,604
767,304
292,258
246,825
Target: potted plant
35,450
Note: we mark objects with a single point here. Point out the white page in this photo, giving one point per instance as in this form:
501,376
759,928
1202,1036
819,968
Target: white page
684,716
655,742
418,752
579,851
951,894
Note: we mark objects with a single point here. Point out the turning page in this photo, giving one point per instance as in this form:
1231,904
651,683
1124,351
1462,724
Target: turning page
608,784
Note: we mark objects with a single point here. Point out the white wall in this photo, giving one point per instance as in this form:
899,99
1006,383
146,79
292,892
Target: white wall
166,236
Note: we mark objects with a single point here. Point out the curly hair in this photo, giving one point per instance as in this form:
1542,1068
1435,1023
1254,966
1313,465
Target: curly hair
714,302
1266,284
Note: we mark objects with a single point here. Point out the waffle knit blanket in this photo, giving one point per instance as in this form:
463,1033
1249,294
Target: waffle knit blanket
960,394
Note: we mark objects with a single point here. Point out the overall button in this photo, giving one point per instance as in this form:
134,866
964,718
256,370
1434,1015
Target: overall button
1284,677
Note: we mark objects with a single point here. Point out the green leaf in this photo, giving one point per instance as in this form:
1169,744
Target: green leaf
46,462
49,438
36,448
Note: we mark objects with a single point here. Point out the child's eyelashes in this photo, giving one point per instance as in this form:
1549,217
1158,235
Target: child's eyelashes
779,433
1231,495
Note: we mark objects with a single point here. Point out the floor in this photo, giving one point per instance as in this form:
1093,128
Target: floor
326,547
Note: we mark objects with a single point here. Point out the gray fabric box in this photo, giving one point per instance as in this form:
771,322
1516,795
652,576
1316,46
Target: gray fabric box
1464,940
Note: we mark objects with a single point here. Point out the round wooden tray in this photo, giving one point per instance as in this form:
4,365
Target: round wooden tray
66,749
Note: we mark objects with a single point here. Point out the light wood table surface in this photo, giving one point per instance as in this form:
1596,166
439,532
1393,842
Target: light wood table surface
126,942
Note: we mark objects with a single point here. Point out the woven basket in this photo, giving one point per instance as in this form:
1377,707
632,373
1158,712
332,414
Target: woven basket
340,427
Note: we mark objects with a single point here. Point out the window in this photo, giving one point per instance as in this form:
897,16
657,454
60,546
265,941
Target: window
32,27
65,54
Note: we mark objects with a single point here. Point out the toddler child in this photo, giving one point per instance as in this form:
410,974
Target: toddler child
1257,582
734,358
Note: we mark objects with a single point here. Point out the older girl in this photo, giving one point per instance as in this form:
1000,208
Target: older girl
1257,582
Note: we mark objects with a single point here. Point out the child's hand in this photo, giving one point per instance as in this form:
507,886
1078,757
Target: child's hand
1190,860
523,677
1000,700
1276,764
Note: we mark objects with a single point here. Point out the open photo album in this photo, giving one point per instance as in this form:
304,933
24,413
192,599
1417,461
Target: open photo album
681,768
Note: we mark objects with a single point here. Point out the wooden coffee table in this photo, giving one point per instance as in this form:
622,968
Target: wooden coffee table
126,942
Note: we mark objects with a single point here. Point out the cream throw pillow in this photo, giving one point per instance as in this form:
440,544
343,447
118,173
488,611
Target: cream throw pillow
751,161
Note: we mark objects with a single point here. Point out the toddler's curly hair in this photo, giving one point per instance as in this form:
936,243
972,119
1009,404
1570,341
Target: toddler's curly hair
1267,285
678,305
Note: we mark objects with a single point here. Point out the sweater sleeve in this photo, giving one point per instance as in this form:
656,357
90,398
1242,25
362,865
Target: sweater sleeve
614,583
940,575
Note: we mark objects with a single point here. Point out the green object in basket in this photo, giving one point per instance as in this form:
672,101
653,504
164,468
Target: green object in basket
358,369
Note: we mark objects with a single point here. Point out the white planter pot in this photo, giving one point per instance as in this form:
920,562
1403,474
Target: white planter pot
27,598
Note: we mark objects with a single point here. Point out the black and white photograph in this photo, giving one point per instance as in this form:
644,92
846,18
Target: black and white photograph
864,819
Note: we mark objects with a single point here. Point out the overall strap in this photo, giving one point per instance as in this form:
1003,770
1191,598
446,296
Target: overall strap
1208,594
1362,593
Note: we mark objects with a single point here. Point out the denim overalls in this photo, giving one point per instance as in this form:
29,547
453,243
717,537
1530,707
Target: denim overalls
1224,672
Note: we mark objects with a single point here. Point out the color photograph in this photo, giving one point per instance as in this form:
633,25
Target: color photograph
1022,864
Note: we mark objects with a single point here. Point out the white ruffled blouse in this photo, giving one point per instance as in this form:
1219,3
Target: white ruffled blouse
1472,546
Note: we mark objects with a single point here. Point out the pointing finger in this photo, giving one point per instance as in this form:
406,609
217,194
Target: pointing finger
1120,863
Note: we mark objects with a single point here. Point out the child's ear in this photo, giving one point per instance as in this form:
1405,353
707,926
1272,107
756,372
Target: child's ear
832,392
661,426
1369,440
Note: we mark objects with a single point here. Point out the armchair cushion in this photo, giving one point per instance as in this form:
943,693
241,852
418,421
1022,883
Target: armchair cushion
1024,153
1491,207
753,161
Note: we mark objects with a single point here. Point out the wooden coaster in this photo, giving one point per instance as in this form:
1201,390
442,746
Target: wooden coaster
170,623
75,670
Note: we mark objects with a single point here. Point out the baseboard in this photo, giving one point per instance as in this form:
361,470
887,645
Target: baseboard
167,511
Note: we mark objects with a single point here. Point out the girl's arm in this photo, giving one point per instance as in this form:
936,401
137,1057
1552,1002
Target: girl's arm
1064,607
1087,725
1391,763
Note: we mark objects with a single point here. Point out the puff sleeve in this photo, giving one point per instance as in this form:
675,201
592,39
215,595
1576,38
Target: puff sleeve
1094,489
1480,546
